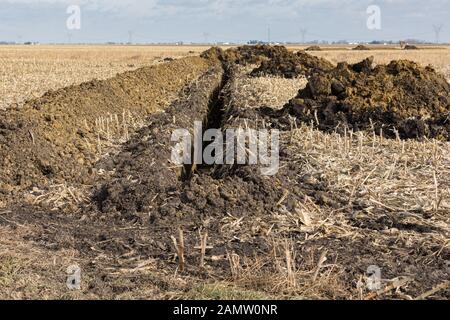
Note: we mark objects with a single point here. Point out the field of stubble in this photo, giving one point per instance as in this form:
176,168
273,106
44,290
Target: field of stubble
30,71
85,181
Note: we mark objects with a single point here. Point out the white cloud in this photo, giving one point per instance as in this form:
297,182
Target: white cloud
217,7
227,9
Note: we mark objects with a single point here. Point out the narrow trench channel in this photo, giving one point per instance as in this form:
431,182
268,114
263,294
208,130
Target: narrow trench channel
213,120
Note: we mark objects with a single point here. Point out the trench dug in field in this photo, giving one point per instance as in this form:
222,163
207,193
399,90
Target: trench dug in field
347,195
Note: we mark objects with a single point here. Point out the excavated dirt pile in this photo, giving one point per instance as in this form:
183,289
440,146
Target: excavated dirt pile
292,65
244,55
313,48
361,47
143,173
273,60
137,188
57,138
399,97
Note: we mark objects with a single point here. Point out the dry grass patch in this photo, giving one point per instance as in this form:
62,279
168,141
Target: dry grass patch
28,271
389,174
274,92
386,204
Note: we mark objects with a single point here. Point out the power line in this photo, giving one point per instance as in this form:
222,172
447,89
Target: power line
437,30
303,32
130,37
205,37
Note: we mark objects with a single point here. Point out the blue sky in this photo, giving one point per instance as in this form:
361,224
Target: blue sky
221,20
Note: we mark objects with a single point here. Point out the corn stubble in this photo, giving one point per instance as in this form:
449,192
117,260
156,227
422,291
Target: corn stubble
365,198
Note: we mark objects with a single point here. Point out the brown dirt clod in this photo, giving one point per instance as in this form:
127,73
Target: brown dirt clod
361,47
400,96
248,54
292,65
313,48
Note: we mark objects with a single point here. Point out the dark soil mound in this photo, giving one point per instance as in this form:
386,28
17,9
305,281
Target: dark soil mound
411,47
399,96
56,138
213,53
313,48
143,172
292,65
147,190
255,54
245,54
160,188
361,47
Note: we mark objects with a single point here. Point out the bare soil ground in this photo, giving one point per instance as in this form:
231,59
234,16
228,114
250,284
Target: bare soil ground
140,226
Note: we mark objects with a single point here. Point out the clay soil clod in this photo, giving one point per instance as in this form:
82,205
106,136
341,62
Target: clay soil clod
399,99
361,48
292,65
313,48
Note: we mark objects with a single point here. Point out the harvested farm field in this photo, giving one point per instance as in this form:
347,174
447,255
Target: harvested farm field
350,201
30,71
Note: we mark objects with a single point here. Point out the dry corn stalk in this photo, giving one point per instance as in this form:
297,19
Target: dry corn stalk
179,246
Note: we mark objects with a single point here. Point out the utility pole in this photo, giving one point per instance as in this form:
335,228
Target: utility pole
205,37
130,37
437,30
268,35
303,32
69,37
